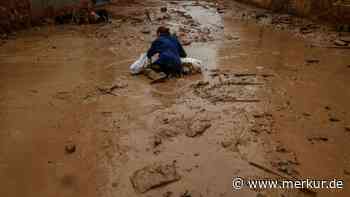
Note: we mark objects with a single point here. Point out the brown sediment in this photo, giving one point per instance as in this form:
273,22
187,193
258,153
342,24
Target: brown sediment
74,122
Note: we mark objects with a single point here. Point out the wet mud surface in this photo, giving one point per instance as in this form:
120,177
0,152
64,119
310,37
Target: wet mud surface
74,122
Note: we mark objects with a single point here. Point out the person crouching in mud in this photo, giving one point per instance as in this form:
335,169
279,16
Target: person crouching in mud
169,51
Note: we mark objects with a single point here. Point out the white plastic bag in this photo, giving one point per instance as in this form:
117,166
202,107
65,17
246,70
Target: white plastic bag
139,65
194,65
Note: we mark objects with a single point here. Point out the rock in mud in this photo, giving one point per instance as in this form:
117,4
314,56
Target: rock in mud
198,128
153,176
70,148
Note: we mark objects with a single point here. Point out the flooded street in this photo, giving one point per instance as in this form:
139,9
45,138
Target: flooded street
75,122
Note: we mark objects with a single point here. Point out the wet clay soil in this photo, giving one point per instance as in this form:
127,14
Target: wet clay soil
74,122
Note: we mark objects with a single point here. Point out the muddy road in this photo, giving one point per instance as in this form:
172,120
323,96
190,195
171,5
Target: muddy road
74,122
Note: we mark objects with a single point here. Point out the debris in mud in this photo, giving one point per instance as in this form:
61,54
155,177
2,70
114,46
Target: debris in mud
63,95
115,184
312,140
70,148
346,172
312,61
145,31
263,123
163,9
226,143
347,128
232,37
345,39
153,176
340,43
261,195
191,194
306,114
168,194
286,167
266,169
281,149
157,141
168,131
232,144
228,88
186,42
220,10
333,119
197,128
110,89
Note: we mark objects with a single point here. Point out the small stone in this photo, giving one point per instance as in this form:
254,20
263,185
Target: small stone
70,148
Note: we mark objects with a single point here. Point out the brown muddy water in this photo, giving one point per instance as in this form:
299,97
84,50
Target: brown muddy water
69,86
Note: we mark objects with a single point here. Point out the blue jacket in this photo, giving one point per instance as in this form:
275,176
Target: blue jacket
170,50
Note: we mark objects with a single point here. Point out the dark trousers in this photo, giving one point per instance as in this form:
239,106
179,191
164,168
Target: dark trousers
168,69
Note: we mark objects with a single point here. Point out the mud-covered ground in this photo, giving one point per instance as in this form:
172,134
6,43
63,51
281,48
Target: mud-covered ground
74,122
